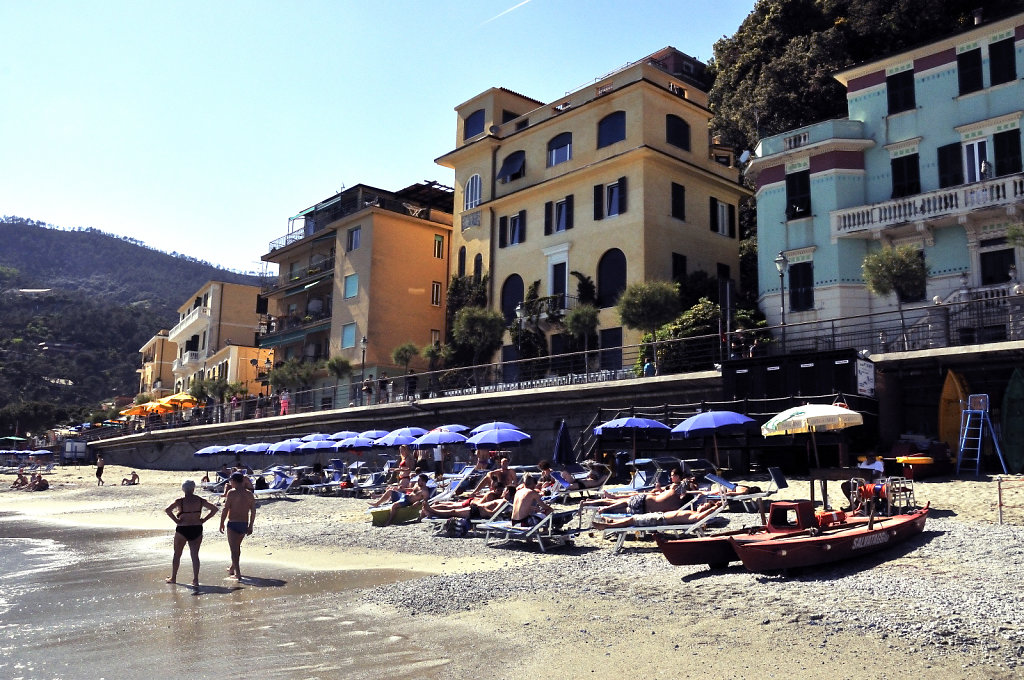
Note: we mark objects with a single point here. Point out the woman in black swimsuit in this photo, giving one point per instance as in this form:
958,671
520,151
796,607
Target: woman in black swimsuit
187,513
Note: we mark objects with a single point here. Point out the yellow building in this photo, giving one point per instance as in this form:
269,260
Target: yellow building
362,264
218,315
156,376
618,180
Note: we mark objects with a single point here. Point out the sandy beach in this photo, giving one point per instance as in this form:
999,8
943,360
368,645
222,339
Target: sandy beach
943,605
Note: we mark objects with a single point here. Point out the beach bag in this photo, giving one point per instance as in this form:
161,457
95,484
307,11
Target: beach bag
456,527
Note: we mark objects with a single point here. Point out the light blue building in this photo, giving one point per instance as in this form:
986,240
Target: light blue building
930,155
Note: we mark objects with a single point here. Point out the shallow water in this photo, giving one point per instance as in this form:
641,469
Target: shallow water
87,603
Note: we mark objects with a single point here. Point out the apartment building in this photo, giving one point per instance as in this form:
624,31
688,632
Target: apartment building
617,180
156,377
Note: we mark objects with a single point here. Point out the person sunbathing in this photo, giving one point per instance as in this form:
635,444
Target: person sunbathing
657,519
472,508
21,482
404,484
668,499
527,507
38,483
596,477
131,480
503,475
415,497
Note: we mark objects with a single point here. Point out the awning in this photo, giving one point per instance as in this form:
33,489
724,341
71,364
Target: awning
512,165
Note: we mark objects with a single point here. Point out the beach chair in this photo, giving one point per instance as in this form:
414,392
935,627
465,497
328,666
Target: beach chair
696,529
544,533
278,488
329,486
437,524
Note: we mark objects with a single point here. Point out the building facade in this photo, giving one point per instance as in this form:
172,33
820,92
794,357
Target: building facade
156,377
218,315
618,181
930,155
365,263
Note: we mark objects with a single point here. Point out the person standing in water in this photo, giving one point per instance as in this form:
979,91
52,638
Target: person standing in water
187,513
238,517
99,469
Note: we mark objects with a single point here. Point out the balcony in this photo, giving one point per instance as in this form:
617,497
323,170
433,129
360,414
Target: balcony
195,320
189,361
285,330
940,206
314,273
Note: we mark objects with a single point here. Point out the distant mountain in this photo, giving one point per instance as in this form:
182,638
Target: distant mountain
77,306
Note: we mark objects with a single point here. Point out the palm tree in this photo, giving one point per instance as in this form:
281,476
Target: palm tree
581,322
339,367
403,354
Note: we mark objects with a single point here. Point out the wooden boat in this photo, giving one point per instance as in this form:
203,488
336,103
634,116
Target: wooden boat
1012,432
829,544
954,395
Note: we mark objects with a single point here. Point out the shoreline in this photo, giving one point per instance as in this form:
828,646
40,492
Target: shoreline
932,608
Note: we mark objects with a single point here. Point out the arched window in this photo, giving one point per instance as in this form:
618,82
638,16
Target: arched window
471,193
478,267
474,124
511,296
462,261
677,132
560,149
611,277
611,129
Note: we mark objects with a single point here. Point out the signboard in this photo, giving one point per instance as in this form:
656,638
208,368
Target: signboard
865,378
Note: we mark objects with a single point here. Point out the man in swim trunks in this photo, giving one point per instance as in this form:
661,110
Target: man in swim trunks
417,496
527,507
668,499
655,519
502,474
238,516
187,512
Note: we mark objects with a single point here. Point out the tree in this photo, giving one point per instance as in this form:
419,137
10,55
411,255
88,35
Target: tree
581,323
649,305
403,354
701,322
293,373
481,329
339,367
586,291
899,270
463,291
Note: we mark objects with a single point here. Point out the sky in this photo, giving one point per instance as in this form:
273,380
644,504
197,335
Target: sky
201,127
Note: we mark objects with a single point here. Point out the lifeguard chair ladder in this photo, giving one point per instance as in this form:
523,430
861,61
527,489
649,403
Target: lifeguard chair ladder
974,421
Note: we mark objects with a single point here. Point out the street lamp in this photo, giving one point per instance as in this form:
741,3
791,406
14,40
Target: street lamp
782,264
520,313
362,368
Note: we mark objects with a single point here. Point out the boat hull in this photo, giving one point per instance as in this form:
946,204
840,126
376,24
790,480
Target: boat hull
834,544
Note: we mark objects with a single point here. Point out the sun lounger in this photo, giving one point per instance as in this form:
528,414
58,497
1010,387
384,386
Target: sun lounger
437,524
621,533
544,532
278,488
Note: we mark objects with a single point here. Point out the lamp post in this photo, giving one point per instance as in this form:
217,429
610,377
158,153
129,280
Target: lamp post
519,343
782,264
362,368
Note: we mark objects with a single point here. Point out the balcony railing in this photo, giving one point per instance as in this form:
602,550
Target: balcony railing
192,317
863,220
187,359
324,269
278,327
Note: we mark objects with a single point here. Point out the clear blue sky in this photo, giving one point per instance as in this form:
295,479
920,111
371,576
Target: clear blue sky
200,127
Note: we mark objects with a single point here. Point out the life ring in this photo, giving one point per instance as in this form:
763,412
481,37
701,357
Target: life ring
873,490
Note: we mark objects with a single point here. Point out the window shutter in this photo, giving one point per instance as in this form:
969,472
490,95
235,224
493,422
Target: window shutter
549,209
622,195
599,202
568,212
522,226
732,221
502,232
714,215
678,201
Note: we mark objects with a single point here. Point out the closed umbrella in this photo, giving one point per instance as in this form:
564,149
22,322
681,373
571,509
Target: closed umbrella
811,418
715,422
562,455
493,425
631,424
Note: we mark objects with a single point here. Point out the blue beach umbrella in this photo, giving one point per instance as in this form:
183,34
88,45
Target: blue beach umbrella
438,437
260,447
631,424
715,422
373,434
409,431
344,434
235,448
452,427
493,425
392,439
317,445
355,443
287,446
315,436
210,450
501,437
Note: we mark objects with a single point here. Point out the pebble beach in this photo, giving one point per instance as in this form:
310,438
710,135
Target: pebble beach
944,604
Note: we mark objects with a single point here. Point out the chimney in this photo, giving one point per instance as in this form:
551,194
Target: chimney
977,16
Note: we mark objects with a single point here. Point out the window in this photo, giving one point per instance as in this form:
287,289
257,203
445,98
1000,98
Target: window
560,149
511,296
723,218
352,239
508,116
969,71
471,193
1006,146
611,277
678,201
906,177
559,272
435,337
801,286
478,267
677,132
899,90
611,129
351,286
1002,62
975,154
995,265
951,166
513,167
439,246
678,267
512,229
798,194
435,293
610,200
558,215
348,336
474,124
462,261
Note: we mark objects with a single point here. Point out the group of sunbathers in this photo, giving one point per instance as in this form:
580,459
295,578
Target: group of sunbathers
668,505
33,482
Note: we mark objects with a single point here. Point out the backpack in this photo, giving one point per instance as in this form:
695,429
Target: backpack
456,527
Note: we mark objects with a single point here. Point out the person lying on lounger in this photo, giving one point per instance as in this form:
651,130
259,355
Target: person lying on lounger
668,499
472,508
416,497
597,476
403,485
657,519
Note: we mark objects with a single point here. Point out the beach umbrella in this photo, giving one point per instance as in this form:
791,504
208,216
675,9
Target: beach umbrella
451,427
493,425
158,407
355,443
210,450
631,424
180,399
811,418
316,436
438,437
393,439
260,447
235,448
715,422
409,431
287,446
562,455
500,437
373,434
317,445
344,434
136,410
